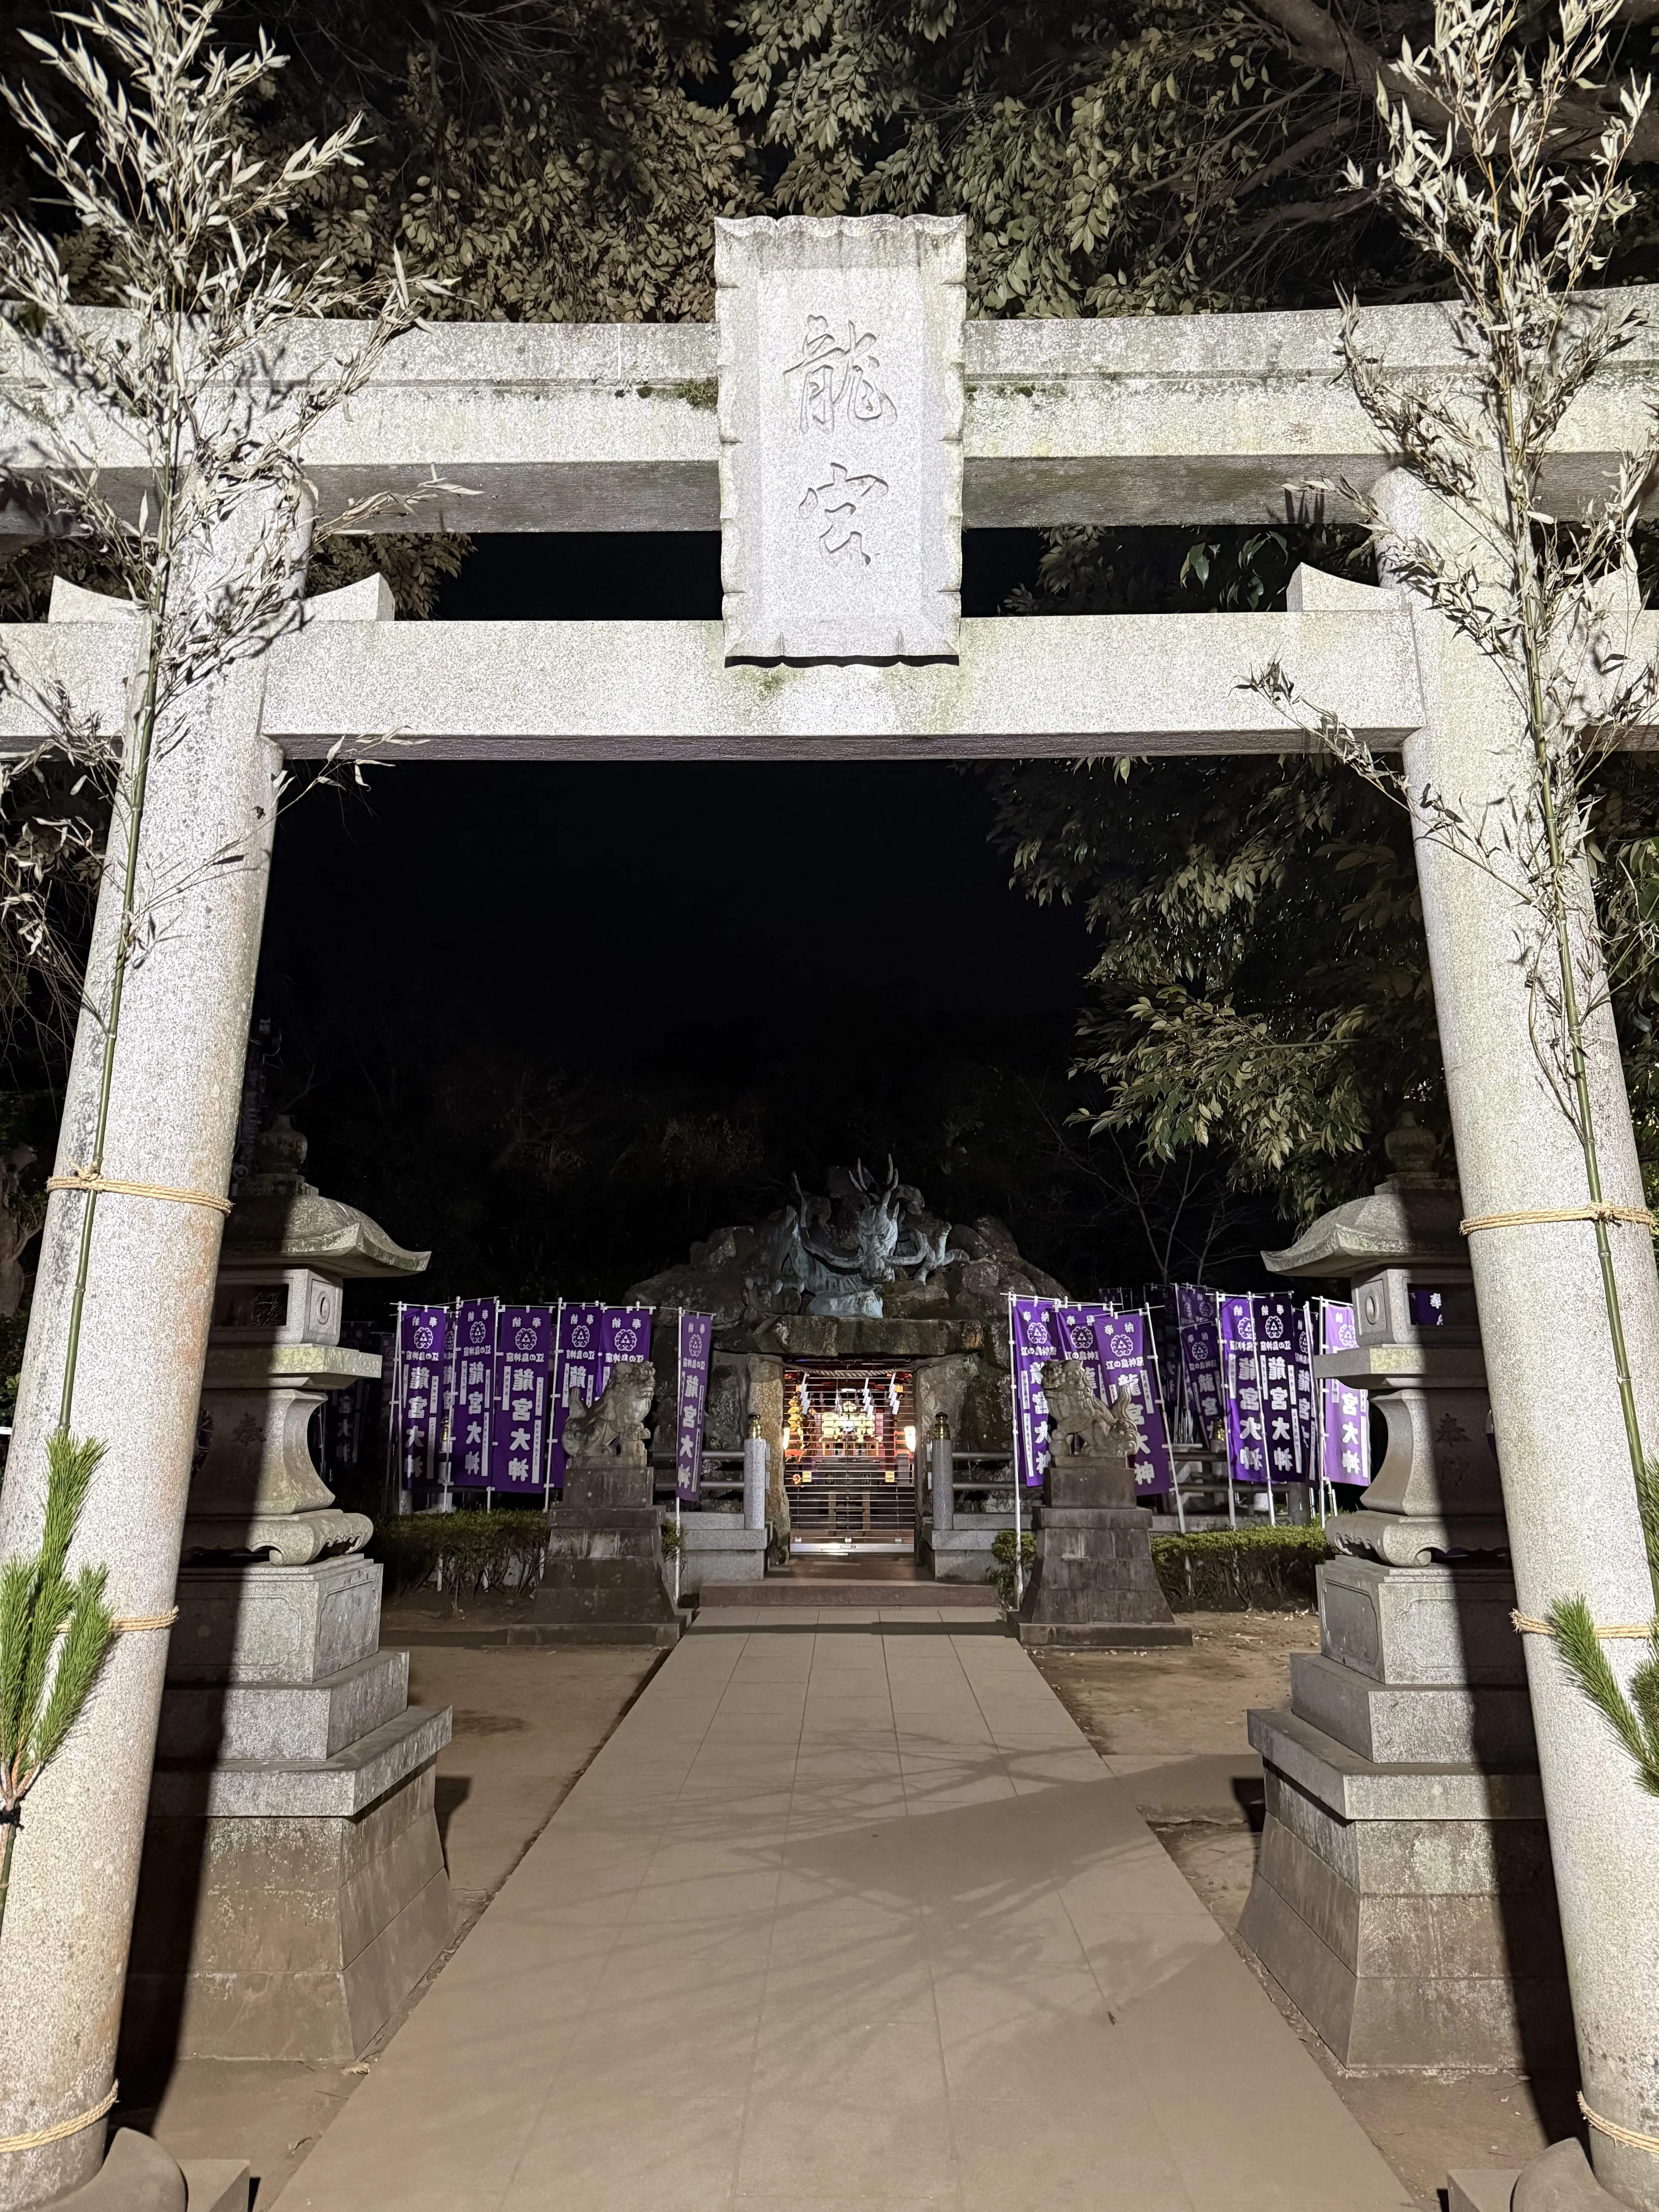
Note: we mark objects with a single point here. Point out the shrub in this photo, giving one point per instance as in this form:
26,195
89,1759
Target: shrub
1232,1570
1002,1551
464,1551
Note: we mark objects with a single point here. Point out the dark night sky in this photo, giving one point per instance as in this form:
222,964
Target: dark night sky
593,911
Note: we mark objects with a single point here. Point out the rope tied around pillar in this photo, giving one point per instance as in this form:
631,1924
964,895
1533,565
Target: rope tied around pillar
41,2137
139,1624
1631,2137
1525,1624
1639,1217
82,1179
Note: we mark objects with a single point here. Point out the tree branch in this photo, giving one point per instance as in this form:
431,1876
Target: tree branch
1321,39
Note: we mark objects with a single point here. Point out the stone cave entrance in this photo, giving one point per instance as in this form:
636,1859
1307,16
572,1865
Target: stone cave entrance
850,1458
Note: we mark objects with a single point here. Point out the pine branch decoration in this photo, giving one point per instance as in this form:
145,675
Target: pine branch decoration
55,1635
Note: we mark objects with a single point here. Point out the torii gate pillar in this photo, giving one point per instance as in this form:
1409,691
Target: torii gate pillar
1568,1496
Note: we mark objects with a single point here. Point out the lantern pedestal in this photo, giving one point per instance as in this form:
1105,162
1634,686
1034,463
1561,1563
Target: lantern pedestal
293,1890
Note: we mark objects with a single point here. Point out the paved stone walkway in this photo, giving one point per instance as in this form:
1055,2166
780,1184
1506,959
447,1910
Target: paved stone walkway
838,1920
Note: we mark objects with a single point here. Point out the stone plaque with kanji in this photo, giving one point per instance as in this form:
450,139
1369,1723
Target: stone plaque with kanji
840,436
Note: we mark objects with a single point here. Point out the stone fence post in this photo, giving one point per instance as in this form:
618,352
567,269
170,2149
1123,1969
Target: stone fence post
754,1457
942,1477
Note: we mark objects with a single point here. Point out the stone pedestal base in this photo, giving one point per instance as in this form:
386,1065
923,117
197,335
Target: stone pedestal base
1093,1584
293,1890
1403,1897
603,1580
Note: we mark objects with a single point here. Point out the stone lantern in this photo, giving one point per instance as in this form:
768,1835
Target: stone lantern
1436,1492
293,1889
1403,1895
274,1352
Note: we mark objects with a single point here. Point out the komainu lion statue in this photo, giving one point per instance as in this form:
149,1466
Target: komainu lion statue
1101,1427
613,1426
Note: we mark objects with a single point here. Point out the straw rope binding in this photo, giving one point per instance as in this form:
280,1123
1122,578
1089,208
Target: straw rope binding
1614,2133
136,1624
41,2137
78,1180
1525,1625
1638,1216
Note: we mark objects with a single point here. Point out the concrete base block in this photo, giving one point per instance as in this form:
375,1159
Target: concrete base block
1102,1636
719,1548
292,1891
961,1553
1481,2189
282,1721
215,2185
285,1938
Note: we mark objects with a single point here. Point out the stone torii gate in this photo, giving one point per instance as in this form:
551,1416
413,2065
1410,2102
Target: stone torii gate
840,422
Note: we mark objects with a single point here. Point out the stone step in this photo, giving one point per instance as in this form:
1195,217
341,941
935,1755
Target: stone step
345,1783
1358,1789
282,1721
1393,1723
819,1592
1414,1858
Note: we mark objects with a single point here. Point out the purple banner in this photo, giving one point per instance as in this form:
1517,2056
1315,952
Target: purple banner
1345,1427
697,1345
577,1376
471,1420
1075,1334
1307,1394
1247,1446
624,1334
417,1397
1034,1338
524,1379
1163,1323
1200,1362
1273,1319
1128,1365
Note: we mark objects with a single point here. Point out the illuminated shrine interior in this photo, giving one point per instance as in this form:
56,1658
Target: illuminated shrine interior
850,1457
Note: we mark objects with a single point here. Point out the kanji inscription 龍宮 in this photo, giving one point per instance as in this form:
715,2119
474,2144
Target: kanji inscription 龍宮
841,437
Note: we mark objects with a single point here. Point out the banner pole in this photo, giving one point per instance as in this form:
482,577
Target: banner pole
1019,1472
394,1455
